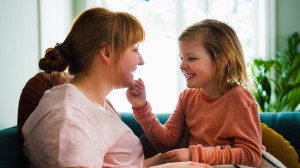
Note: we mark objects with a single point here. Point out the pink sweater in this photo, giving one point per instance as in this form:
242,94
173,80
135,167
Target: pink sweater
68,130
229,124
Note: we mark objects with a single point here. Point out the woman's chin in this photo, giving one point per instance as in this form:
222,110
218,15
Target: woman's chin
128,84
131,83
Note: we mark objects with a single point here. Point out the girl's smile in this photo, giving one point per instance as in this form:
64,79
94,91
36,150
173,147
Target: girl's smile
189,76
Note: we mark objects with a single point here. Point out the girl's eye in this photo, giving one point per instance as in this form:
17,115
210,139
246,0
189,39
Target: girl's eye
188,58
135,49
192,58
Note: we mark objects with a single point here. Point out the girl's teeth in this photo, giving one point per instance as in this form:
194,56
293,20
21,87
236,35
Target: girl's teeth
188,76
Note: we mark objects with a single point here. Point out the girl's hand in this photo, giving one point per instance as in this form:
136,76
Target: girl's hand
177,155
188,164
136,95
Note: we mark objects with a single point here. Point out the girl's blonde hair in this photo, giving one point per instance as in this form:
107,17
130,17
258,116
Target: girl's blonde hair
93,29
224,48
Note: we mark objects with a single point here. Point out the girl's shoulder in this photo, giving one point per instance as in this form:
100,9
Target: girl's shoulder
239,90
190,92
239,94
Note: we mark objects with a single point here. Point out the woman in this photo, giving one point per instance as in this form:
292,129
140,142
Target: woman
74,125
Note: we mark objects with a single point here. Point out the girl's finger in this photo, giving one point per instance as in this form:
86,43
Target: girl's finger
140,82
168,155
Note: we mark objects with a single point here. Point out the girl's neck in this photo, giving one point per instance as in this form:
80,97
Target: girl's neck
213,92
210,94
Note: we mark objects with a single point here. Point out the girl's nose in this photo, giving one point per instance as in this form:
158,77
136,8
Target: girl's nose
141,60
183,65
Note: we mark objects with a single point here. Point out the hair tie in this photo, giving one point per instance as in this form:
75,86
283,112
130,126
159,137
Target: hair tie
63,51
59,46
48,71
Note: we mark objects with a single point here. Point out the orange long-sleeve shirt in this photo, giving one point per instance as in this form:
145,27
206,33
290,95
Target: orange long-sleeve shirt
229,124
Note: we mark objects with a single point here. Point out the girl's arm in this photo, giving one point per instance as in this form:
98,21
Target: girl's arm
162,137
158,161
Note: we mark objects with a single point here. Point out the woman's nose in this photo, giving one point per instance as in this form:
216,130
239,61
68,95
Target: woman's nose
141,60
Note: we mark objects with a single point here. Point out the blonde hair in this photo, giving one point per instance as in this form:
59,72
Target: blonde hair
93,29
222,44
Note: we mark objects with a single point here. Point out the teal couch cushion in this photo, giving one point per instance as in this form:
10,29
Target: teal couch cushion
286,124
129,120
11,151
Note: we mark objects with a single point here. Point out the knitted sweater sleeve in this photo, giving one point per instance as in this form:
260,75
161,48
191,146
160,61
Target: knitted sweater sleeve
246,150
162,137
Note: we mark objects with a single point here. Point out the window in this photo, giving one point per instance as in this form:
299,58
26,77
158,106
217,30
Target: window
165,20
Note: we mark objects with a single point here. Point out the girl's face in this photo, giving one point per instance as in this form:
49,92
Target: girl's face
128,64
197,66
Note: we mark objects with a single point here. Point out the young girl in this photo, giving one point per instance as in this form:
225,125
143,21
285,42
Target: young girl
220,114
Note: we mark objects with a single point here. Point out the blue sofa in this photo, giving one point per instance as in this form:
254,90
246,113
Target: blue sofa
285,123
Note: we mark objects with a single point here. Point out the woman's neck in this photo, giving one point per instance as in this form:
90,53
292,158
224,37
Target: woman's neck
95,90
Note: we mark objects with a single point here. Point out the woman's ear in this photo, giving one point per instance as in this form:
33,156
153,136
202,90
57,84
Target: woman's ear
104,54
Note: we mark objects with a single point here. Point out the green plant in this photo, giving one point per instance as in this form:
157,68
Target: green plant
278,79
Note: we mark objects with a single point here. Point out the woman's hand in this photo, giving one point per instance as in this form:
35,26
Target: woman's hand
177,155
136,95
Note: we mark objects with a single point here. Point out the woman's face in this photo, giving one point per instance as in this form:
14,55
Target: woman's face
129,61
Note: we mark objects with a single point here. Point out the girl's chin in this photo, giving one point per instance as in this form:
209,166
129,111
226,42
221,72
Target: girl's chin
191,85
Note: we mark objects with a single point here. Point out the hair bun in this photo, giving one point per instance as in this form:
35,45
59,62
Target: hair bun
53,60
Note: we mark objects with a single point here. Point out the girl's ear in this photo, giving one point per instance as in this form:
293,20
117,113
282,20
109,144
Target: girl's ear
104,54
225,60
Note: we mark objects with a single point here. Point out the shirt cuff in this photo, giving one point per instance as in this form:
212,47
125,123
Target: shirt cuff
196,152
144,110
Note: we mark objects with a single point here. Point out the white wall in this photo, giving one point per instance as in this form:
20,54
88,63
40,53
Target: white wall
55,23
22,45
19,48
287,22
